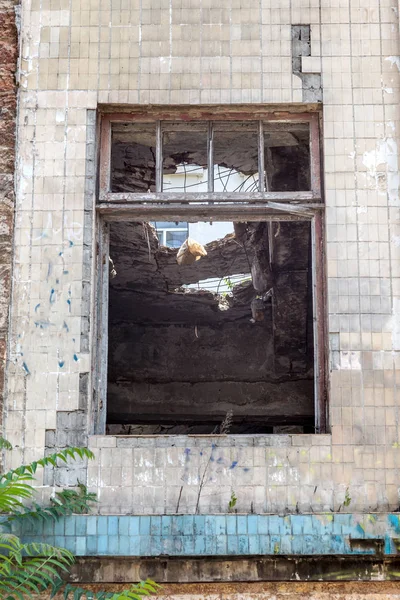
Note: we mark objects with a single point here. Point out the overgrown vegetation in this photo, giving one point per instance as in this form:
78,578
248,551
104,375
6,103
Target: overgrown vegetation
27,569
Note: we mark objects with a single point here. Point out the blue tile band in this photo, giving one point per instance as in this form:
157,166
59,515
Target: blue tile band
219,535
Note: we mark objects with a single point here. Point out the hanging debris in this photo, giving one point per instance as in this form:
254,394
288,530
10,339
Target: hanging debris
190,252
113,272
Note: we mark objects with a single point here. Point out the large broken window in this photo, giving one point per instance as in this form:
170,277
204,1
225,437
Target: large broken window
242,157
210,273
229,333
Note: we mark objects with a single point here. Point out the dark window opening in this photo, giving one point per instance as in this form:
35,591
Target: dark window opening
230,333
133,157
242,156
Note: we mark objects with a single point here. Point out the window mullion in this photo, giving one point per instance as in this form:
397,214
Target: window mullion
210,157
261,176
159,158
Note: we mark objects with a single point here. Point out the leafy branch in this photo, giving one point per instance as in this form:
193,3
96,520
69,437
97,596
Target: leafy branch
4,444
33,568
29,568
16,487
65,503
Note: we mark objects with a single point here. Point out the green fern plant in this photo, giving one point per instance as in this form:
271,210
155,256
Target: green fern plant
27,569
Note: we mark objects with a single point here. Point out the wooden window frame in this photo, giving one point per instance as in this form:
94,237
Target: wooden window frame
209,206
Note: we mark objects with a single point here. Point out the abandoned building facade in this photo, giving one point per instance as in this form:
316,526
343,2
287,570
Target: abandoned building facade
200,281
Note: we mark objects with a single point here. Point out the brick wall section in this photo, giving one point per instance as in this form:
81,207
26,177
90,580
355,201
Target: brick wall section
8,107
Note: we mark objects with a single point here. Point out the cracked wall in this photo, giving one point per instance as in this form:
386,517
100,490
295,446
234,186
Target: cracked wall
304,65
75,58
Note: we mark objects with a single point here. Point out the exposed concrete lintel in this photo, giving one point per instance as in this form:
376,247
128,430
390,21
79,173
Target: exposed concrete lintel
250,569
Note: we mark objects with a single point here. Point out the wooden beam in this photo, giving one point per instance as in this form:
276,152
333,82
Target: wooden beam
248,112
320,325
205,197
105,156
315,156
99,406
192,214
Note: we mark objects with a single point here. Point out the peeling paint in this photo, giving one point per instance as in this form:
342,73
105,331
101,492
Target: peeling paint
350,361
384,179
394,60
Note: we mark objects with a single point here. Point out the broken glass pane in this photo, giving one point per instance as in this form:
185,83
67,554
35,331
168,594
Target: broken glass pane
235,157
133,157
184,157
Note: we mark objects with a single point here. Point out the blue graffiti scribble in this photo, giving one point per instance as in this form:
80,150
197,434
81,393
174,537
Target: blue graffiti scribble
220,460
186,466
360,529
49,269
37,306
61,363
69,304
43,324
65,272
201,453
26,368
65,326
245,469
52,296
76,358
71,243
233,464
60,253
394,522
213,447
